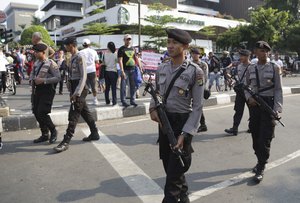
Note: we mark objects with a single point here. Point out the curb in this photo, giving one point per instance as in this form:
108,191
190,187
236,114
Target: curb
25,122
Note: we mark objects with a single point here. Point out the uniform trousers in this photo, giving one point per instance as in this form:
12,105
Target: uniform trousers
77,109
176,187
239,106
41,107
262,127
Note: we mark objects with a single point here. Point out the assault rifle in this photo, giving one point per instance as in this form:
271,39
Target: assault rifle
165,125
259,100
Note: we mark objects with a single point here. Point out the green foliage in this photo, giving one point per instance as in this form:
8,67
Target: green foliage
159,7
99,9
293,6
208,31
99,29
27,35
156,31
266,24
292,40
35,21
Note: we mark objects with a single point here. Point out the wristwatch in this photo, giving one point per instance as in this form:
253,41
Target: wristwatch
185,135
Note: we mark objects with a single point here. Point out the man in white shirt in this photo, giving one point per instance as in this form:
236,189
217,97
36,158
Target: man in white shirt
3,63
92,59
278,61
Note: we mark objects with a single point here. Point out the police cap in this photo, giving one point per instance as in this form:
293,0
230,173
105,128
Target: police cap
244,52
70,40
195,51
262,45
179,35
39,47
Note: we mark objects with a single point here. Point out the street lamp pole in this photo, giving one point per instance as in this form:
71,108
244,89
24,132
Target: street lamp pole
140,28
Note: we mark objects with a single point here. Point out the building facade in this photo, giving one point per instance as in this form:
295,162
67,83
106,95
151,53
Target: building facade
237,8
127,14
59,13
19,16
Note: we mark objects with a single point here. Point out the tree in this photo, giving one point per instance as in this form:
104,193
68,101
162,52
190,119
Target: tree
98,9
99,29
26,35
293,6
292,40
156,30
266,24
35,21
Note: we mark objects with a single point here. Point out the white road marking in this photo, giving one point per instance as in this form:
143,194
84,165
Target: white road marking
142,185
214,188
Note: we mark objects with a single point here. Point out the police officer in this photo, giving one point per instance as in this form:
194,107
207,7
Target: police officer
78,92
265,79
183,108
43,77
196,59
240,100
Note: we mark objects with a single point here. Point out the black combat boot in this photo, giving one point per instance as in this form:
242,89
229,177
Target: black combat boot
254,169
42,138
184,198
202,128
232,131
93,136
64,145
259,175
53,136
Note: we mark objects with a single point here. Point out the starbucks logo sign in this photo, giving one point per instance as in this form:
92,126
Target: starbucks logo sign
123,16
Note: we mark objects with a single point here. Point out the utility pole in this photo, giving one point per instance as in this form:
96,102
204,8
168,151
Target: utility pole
140,28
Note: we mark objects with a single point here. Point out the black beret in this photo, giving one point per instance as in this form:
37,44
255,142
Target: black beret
244,52
195,51
40,47
179,35
70,40
262,45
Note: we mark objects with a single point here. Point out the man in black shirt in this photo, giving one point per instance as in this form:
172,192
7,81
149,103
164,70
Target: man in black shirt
127,61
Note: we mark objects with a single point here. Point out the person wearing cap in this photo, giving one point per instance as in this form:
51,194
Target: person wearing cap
127,61
43,78
92,59
226,63
37,39
240,100
196,59
78,92
265,79
183,107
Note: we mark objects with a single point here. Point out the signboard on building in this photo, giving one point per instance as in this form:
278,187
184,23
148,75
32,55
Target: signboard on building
2,17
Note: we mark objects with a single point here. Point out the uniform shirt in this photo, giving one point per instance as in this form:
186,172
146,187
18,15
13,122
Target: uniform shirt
47,69
241,72
204,67
77,71
269,74
186,96
91,57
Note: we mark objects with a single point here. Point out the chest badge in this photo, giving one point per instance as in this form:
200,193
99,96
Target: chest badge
180,91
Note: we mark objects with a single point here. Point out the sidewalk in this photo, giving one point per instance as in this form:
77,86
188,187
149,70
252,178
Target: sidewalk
24,119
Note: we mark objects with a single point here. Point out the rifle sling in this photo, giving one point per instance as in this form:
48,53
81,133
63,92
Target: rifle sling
172,83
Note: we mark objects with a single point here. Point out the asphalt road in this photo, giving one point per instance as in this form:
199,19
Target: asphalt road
123,166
